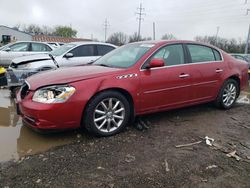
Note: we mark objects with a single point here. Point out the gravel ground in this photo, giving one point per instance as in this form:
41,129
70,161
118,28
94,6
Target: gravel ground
148,157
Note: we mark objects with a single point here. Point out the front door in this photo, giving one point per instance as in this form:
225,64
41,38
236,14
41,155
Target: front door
168,86
81,55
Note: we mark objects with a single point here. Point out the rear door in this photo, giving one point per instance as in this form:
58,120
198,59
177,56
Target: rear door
207,69
81,55
167,86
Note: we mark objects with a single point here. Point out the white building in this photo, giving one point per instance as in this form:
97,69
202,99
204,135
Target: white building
8,34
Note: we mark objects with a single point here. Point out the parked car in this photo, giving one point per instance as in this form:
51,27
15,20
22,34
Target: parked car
135,79
72,54
18,49
243,57
56,44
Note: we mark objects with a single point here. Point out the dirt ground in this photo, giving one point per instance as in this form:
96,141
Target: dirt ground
149,157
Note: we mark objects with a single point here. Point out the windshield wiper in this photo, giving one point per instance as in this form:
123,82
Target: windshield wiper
53,59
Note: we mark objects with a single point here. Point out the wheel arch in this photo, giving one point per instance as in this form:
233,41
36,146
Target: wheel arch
237,79
122,91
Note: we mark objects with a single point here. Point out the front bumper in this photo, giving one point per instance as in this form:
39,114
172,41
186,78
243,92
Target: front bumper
16,77
45,117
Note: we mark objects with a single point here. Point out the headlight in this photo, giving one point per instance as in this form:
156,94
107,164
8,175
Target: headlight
53,94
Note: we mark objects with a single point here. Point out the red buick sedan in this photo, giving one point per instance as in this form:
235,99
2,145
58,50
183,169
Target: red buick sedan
135,79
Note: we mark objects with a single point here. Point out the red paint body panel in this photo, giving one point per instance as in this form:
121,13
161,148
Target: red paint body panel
151,90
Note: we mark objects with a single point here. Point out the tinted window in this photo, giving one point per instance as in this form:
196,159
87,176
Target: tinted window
200,53
85,50
217,55
19,47
102,49
172,54
38,47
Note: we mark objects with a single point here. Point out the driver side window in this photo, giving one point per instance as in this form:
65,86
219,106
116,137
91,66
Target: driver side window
171,54
83,51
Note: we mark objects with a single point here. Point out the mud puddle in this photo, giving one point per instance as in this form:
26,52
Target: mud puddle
17,140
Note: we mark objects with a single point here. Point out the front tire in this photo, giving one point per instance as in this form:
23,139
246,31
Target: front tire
228,94
107,114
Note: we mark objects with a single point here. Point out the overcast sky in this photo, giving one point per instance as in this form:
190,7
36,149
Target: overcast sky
183,18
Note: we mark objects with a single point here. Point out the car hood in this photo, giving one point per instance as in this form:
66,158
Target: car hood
68,75
30,58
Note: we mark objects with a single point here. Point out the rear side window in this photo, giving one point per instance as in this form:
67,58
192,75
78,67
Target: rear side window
83,51
38,47
217,55
20,47
200,53
102,49
171,54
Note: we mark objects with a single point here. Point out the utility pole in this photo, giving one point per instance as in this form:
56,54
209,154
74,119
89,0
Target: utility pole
153,30
140,13
248,35
216,36
247,42
106,25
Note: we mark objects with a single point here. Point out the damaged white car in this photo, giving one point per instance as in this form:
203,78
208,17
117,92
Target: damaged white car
72,54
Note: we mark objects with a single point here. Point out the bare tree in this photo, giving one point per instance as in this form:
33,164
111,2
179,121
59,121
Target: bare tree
168,37
118,39
229,45
32,28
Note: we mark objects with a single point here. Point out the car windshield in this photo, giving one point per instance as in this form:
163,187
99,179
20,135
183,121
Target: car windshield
5,47
63,49
125,56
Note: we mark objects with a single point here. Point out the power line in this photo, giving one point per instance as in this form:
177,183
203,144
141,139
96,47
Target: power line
106,25
140,13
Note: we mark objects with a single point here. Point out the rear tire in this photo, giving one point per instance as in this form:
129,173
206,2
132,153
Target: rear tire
228,94
107,114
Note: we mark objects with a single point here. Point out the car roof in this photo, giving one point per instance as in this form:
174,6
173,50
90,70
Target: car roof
29,41
91,42
165,42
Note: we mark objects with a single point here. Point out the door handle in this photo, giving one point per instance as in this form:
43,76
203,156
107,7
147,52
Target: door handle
183,75
218,70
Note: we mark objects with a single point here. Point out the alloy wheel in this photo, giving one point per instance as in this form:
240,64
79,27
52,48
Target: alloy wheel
229,94
109,115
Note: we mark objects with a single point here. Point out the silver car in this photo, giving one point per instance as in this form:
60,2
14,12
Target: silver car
71,54
24,48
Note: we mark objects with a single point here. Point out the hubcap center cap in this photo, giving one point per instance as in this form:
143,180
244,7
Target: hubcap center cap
109,114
